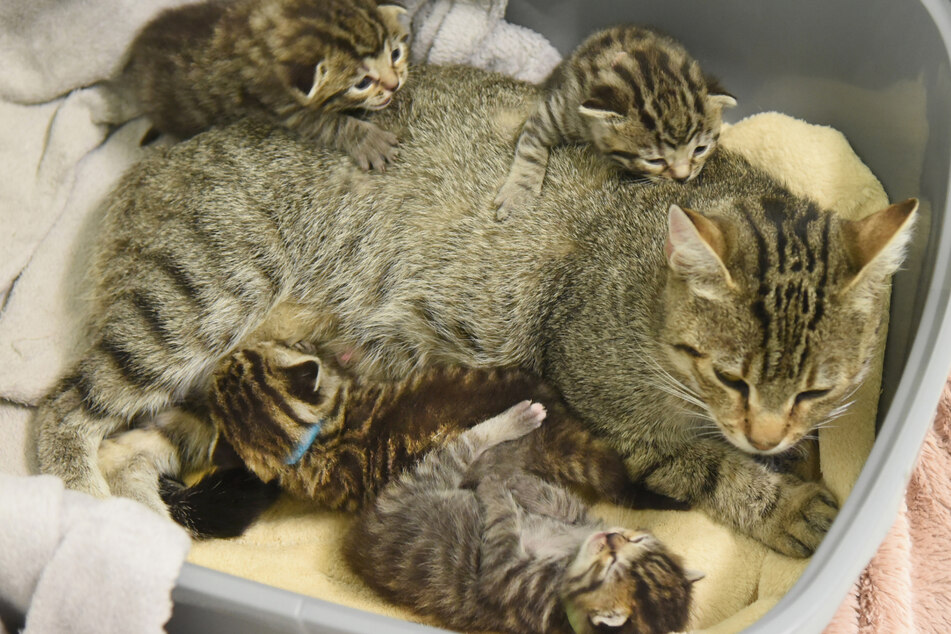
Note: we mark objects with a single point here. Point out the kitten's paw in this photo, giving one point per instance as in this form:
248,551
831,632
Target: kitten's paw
522,419
512,197
802,518
377,148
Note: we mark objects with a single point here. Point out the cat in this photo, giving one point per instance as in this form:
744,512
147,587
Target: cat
473,539
663,314
299,421
634,95
309,64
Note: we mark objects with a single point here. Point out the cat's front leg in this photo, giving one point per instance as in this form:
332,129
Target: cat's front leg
527,172
784,512
367,143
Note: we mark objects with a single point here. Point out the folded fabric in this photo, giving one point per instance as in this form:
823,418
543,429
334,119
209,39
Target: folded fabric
72,563
473,32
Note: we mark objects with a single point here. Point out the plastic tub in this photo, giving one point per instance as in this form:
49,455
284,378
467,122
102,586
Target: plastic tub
880,72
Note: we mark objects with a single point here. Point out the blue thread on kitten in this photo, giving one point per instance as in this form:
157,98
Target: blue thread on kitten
309,437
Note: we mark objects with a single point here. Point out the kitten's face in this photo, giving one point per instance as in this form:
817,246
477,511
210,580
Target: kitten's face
361,66
291,396
672,146
626,581
771,325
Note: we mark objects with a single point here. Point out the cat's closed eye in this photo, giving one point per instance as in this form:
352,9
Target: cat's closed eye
811,395
733,382
689,350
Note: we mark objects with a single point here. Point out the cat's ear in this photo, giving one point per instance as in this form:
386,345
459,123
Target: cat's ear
395,14
597,109
877,243
693,576
696,248
306,81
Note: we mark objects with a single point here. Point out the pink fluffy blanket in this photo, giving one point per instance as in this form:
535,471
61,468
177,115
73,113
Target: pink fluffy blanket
907,585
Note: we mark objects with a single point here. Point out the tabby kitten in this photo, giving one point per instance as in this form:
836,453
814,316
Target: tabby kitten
309,64
476,541
636,96
662,314
298,420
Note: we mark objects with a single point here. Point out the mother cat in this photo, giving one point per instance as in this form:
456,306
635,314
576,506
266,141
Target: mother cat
758,311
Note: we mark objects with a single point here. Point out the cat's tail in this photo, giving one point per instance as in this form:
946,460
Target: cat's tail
222,504
572,456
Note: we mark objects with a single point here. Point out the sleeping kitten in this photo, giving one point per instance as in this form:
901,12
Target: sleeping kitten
633,94
309,64
298,420
472,538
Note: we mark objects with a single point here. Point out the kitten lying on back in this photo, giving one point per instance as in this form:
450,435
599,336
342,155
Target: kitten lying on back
299,420
309,64
473,539
636,96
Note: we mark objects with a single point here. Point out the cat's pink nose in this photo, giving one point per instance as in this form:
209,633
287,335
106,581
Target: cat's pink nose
680,171
390,82
616,540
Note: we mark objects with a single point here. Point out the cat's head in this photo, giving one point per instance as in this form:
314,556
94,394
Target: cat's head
655,114
773,315
343,60
624,580
273,395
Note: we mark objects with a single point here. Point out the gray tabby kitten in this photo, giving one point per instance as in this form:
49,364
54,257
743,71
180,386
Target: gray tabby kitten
473,539
309,64
659,312
633,94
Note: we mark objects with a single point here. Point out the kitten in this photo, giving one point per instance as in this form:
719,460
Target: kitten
298,420
309,64
475,540
635,96
662,314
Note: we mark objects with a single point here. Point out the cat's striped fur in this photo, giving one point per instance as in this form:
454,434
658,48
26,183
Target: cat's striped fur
475,540
309,64
656,324
636,96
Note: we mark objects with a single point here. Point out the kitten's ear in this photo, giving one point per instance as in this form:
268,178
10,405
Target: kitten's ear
695,251
305,80
395,14
876,244
302,378
722,100
597,109
693,576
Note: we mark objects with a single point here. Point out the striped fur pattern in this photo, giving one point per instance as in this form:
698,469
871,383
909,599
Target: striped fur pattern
629,299
634,95
491,547
308,64
300,419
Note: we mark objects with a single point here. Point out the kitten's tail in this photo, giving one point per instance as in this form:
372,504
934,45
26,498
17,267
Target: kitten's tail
222,504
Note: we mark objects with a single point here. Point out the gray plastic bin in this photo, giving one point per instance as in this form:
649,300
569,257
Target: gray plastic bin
879,71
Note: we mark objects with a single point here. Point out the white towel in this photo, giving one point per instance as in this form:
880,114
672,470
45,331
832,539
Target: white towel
72,563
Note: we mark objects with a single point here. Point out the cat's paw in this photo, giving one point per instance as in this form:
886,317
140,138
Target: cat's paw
512,196
801,519
377,148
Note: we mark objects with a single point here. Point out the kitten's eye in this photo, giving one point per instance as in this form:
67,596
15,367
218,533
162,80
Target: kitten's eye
733,382
811,395
397,53
656,162
623,155
364,83
693,352
700,149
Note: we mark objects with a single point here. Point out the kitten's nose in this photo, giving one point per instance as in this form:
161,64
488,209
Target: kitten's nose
680,172
762,445
390,81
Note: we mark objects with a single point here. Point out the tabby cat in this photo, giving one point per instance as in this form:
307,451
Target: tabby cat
301,421
633,94
471,538
661,313
308,64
